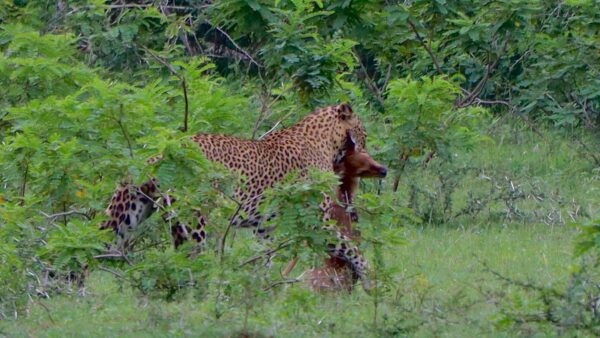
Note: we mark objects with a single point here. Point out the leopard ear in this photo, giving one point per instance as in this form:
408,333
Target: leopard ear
345,111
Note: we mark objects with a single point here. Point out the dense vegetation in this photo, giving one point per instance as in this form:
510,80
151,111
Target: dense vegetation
485,113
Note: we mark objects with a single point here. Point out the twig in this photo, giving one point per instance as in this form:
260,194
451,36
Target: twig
124,131
152,5
240,49
183,85
269,252
24,184
512,108
224,238
52,217
473,95
369,82
114,255
589,151
285,281
427,47
120,275
111,255
525,285
48,312
274,126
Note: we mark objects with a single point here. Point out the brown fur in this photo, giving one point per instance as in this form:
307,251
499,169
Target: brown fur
337,274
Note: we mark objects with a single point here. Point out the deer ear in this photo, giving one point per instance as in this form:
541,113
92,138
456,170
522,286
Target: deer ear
345,111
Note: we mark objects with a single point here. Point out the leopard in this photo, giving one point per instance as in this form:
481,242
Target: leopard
318,141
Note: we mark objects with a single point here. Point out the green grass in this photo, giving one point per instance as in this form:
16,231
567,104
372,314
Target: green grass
440,269
441,280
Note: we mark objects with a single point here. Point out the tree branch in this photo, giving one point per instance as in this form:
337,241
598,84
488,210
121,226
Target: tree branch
53,217
269,252
369,82
285,281
183,85
240,49
224,237
426,46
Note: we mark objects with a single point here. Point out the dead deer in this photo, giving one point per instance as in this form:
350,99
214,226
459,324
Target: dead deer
337,274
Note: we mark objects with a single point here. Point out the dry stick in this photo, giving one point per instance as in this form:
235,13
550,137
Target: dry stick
115,273
290,266
512,108
525,285
183,85
114,255
473,95
427,47
152,5
265,107
589,151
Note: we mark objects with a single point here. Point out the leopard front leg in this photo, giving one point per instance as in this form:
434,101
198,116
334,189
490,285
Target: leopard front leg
344,248
350,253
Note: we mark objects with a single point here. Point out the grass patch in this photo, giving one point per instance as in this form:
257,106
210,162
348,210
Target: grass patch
440,288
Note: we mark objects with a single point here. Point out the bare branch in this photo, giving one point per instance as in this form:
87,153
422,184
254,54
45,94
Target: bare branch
52,217
240,49
141,6
426,46
183,85
224,238
285,281
124,130
114,254
265,253
274,126
369,82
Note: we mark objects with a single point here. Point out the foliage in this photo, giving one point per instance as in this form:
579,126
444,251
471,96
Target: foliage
93,89
589,239
164,274
295,203
73,247
421,113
